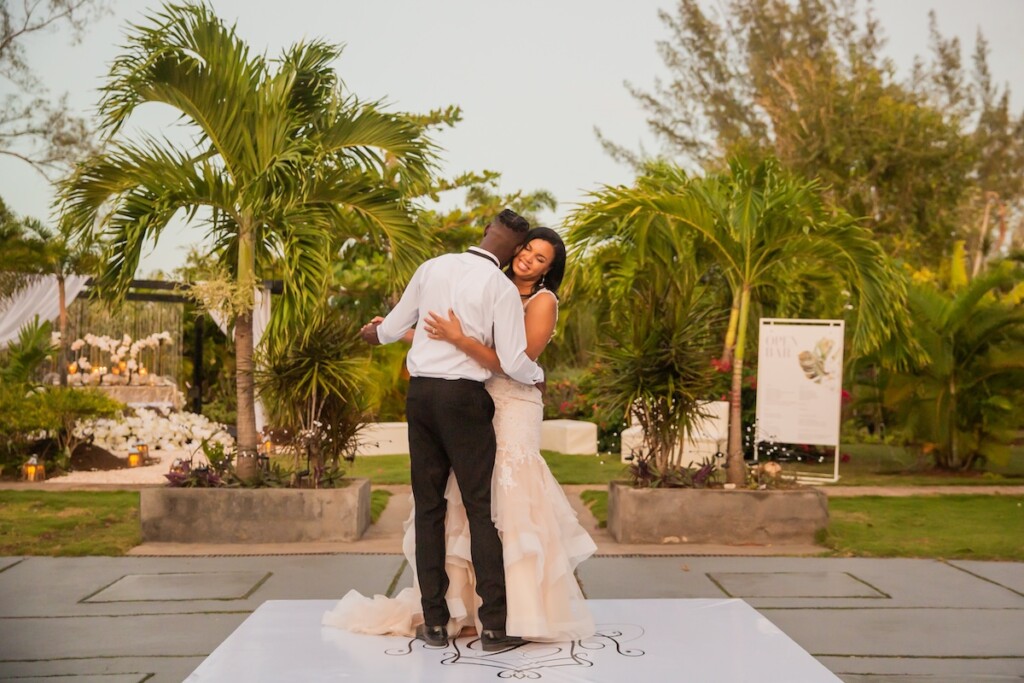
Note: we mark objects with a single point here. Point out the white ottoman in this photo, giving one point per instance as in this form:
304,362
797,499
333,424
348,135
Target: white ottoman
573,437
383,438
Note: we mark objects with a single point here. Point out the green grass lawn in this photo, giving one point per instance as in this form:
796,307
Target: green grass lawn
882,465
568,469
869,465
378,501
962,527
597,502
73,523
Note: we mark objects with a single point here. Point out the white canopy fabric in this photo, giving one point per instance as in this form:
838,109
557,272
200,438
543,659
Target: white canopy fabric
260,320
39,298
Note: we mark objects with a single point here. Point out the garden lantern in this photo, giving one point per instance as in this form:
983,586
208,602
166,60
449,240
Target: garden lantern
134,458
33,470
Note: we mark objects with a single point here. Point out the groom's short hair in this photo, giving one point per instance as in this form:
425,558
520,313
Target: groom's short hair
513,221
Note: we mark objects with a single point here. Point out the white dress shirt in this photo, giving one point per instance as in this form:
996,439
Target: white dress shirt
486,302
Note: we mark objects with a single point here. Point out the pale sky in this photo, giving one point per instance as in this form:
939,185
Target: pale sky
533,77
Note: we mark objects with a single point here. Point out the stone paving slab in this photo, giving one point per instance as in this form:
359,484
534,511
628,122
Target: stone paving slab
87,678
938,621
163,669
70,581
947,633
924,669
144,635
832,584
1009,575
167,587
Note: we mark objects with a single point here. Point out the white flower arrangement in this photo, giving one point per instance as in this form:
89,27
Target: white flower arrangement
120,348
175,431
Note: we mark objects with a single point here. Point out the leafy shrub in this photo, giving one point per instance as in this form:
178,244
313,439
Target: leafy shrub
26,418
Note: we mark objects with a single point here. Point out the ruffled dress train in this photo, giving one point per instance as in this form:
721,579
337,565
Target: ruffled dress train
542,539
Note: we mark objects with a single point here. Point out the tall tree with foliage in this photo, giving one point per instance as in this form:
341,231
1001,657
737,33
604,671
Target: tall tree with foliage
808,83
756,225
283,163
35,128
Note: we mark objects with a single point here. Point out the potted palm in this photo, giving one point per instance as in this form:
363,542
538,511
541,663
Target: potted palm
310,386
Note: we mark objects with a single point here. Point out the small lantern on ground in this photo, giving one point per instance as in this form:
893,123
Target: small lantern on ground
134,458
143,450
33,470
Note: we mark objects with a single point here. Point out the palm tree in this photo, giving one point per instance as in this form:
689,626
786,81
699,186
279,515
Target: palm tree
283,163
755,226
960,405
60,254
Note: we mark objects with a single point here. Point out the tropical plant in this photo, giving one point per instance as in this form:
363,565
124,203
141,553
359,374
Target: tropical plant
282,166
22,358
960,407
31,413
757,225
311,385
57,411
58,253
652,360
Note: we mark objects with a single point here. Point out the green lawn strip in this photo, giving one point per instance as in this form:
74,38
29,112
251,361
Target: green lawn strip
568,469
378,501
597,501
73,523
885,465
950,527
381,469
584,469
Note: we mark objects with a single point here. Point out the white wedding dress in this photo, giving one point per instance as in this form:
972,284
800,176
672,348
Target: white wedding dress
541,536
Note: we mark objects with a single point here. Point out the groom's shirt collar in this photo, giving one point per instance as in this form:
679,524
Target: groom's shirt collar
486,254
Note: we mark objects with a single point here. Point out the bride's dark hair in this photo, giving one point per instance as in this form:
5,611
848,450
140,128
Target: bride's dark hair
553,278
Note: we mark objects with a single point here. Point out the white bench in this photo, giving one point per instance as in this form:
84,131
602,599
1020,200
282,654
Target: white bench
383,438
709,436
572,437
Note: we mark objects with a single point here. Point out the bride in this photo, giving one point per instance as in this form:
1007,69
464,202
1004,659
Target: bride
542,539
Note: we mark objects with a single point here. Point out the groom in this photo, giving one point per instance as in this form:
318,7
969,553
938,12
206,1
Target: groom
449,413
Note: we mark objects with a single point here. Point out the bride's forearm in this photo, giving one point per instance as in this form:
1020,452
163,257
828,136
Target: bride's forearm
484,355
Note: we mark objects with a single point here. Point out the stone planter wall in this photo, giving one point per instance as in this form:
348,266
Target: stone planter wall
738,517
180,515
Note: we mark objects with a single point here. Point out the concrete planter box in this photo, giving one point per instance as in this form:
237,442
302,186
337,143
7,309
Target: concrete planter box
179,515
738,517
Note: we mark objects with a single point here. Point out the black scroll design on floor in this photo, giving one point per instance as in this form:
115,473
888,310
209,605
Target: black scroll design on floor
528,662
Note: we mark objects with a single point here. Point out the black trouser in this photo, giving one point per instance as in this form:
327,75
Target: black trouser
450,430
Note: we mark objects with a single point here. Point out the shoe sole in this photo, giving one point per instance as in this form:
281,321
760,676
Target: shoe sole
498,647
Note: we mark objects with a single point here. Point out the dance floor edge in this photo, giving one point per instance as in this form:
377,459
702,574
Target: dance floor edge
650,640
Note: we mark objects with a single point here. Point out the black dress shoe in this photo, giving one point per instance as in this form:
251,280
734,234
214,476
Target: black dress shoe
434,636
493,640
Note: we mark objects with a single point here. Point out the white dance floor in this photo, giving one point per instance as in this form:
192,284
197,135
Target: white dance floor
637,640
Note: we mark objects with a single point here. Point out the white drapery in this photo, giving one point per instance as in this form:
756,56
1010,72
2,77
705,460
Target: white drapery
260,320
39,298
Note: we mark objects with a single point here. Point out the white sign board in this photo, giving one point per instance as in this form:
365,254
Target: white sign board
799,381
